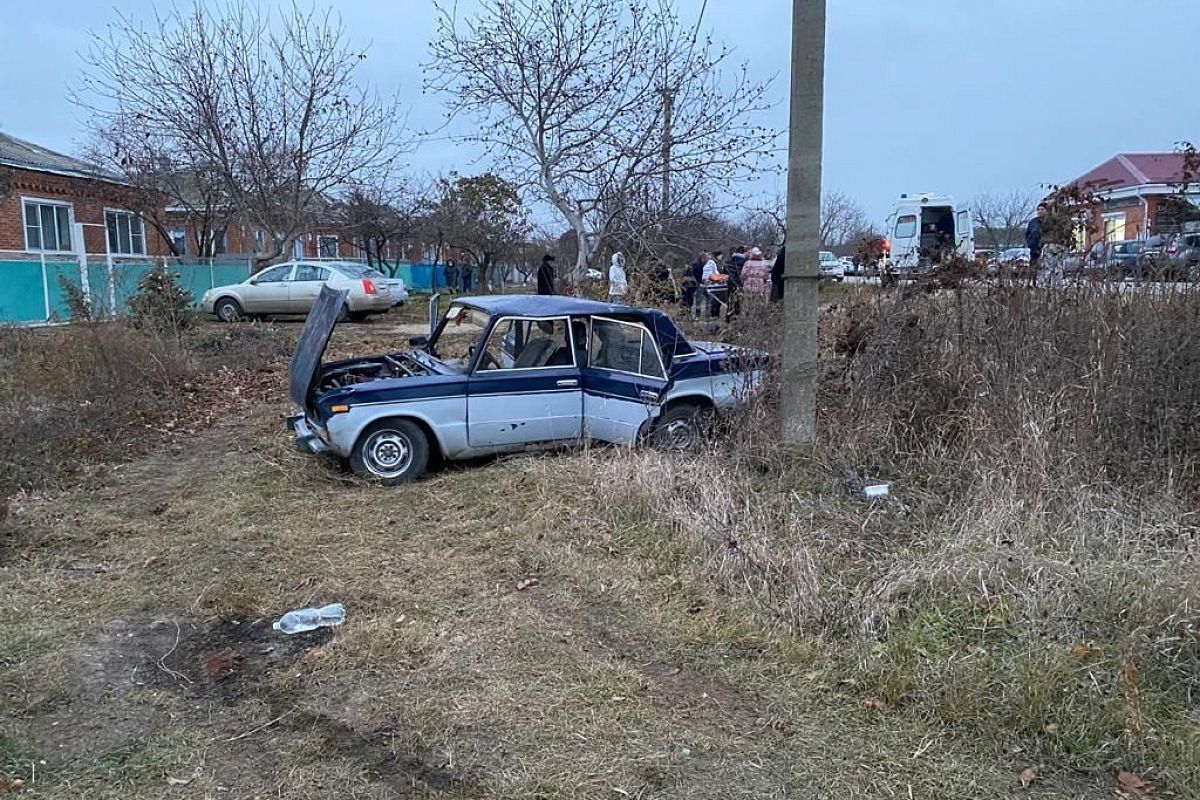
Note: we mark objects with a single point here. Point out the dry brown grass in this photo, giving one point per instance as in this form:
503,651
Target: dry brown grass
732,624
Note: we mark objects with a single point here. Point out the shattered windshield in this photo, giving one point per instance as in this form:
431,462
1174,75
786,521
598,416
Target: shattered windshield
459,333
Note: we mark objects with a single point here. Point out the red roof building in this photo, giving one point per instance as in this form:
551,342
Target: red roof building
1140,194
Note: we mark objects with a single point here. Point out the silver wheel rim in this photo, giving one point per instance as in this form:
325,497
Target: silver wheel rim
679,434
228,313
388,454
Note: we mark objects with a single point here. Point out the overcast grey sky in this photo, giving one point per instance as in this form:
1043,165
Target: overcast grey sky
956,96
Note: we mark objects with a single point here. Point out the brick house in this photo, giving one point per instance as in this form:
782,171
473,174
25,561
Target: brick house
43,194
1138,194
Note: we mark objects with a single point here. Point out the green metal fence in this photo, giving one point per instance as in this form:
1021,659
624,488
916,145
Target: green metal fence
34,291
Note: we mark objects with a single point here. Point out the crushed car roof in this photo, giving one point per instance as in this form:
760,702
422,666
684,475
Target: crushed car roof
534,305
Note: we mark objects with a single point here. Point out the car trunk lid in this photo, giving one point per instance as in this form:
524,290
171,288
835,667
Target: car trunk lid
314,338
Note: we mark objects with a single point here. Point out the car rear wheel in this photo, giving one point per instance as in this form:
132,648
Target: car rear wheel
228,310
681,428
393,452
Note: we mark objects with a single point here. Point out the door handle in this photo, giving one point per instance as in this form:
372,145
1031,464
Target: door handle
647,394
568,383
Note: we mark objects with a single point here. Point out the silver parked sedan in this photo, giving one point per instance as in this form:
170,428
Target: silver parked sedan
293,287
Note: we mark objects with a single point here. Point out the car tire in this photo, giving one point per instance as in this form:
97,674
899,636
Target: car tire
228,310
391,452
681,428
357,316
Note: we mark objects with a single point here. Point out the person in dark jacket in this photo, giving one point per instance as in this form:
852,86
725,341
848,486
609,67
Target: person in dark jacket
1033,239
453,282
545,275
777,275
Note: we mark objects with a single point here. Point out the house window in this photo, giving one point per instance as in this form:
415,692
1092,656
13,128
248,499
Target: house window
327,246
217,242
47,226
126,236
178,237
1114,227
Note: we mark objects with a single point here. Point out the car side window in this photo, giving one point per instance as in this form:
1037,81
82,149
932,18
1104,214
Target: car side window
275,274
624,347
527,344
906,226
311,272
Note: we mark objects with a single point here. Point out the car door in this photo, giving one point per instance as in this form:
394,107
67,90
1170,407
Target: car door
267,292
624,380
525,386
304,287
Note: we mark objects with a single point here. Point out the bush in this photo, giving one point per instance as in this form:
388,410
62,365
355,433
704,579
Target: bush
1034,579
160,304
84,394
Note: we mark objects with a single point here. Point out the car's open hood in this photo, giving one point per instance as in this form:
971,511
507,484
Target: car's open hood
314,338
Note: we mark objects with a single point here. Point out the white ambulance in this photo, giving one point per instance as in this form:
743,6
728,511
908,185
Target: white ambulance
924,229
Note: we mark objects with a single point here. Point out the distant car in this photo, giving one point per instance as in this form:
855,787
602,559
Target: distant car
1115,259
595,275
849,265
509,373
1013,256
1170,256
830,267
292,288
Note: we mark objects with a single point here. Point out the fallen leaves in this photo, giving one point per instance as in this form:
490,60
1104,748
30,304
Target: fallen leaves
1028,776
1083,650
1130,784
875,704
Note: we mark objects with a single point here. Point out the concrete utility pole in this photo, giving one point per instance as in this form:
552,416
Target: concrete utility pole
798,389
668,96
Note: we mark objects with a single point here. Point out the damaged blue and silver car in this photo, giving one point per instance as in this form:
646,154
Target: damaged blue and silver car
507,373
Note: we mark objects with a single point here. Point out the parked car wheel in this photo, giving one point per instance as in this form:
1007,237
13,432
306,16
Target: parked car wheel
358,316
680,428
228,310
392,452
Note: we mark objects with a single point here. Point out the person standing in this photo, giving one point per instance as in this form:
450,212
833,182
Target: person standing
452,282
545,275
777,275
710,279
756,273
1033,240
618,285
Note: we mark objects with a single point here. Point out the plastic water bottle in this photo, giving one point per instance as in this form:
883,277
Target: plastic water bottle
309,619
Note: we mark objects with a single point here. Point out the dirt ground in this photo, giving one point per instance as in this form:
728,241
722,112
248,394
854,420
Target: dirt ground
500,643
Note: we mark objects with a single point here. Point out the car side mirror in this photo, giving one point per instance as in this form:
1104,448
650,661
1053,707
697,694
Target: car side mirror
418,341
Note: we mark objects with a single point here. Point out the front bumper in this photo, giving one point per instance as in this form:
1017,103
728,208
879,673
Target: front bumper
307,439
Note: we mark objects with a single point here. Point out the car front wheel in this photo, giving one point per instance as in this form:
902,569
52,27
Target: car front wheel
228,310
392,452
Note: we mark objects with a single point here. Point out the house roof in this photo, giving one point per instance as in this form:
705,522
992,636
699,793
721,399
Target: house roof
19,153
1126,170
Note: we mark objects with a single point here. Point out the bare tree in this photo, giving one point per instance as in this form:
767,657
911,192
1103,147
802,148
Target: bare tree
572,97
1001,218
380,217
842,220
165,184
269,104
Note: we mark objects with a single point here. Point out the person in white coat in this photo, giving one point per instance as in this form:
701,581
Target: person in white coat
618,285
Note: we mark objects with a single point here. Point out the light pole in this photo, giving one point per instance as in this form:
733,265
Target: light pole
798,385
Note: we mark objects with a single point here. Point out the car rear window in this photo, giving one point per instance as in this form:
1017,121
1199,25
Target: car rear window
359,271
